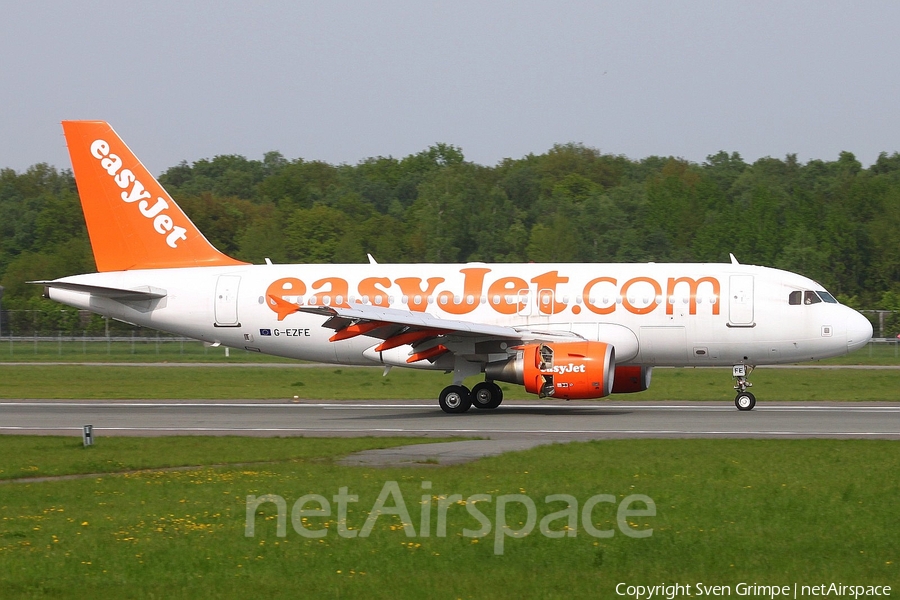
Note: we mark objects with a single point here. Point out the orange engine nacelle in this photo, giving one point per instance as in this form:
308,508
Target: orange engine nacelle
570,370
631,378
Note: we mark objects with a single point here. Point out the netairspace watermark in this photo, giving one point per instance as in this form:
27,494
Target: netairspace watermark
670,591
557,524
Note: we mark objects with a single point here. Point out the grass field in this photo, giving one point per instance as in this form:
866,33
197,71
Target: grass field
155,382
727,511
47,456
147,349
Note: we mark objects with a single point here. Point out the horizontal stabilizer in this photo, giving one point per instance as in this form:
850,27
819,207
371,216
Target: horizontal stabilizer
144,292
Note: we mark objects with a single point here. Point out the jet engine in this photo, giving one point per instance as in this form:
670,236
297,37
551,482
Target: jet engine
631,378
570,370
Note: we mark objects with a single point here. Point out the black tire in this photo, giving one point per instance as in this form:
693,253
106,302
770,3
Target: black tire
455,399
745,401
487,395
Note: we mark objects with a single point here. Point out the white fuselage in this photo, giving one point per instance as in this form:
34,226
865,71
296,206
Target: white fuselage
653,314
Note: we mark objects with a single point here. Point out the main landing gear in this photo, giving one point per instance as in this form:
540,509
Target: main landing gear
744,399
458,399
487,395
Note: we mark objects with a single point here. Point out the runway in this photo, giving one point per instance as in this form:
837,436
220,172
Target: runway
515,420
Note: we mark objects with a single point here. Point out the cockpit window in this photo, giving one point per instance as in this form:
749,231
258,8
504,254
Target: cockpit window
811,298
798,297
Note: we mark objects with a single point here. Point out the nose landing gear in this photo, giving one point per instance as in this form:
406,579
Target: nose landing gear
744,399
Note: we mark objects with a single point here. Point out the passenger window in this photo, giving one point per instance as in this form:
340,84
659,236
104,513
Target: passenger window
795,297
811,298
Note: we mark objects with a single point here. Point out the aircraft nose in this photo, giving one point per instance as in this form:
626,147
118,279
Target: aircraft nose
859,331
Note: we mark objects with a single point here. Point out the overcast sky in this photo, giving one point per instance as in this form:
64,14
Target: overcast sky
342,81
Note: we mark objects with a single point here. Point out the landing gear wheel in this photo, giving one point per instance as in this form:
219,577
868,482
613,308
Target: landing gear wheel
745,401
455,399
487,395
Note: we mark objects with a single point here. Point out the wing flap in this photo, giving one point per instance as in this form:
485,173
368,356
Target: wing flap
429,336
411,320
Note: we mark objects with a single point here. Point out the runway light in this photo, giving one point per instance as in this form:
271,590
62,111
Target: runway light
88,435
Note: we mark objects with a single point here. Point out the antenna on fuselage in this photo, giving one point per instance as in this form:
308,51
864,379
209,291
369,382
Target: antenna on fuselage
734,261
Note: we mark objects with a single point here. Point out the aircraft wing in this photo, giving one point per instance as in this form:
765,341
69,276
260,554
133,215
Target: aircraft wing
392,316
427,334
145,292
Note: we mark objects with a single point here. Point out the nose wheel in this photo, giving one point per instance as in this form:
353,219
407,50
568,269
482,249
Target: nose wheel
744,399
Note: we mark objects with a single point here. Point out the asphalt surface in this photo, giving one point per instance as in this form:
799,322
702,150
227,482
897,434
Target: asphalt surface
514,421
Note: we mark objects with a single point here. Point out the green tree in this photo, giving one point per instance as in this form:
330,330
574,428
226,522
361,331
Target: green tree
321,234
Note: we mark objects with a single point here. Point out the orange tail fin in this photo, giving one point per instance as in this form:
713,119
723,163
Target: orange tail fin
132,222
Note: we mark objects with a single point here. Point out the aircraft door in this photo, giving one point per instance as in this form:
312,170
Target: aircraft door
536,305
523,298
546,299
542,306
740,301
227,301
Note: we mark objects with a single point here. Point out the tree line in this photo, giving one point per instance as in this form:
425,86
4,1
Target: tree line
834,221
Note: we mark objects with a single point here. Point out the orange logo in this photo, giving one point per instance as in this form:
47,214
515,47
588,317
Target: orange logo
163,224
504,295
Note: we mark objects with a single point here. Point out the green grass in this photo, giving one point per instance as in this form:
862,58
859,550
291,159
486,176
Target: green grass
141,350
124,382
728,511
46,456
872,354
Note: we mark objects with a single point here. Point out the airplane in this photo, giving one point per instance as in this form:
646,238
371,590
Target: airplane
566,331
